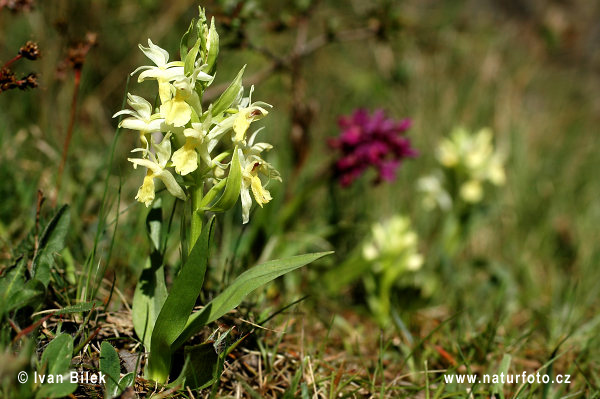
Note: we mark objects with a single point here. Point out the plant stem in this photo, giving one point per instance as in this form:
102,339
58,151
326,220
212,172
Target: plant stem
16,58
196,225
67,142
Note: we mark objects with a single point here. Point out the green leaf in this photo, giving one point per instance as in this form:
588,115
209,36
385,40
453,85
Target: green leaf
178,306
51,242
151,290
57,389
11,282
504,365
190,59
70,266
31,292
253,394
212,194
202,364
79,308
58,354
227,98
290,393
213,44
154,224
232,190
110,365
346,273
220,365
247,282
184,43
126,381
18,293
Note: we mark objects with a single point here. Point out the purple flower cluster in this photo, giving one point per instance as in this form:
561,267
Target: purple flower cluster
370,140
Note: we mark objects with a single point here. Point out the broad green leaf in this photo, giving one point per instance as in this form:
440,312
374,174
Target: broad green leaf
51,242
151,290
232,189
178,306
31,292
110,365
228,97
57,389
58,354
15,292
11,282
247,282
154,224
150,294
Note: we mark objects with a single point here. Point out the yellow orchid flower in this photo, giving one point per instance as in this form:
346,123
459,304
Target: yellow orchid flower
177,110
185,159
197,145
248,112
252,164
156,165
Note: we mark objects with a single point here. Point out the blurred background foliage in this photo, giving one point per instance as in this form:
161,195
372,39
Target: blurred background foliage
527,69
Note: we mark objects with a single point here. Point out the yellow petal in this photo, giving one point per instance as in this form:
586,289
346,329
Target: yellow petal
145,194
244,118
164,91
240,125
496,173
261,195
471,191
176,112
185,159
447,154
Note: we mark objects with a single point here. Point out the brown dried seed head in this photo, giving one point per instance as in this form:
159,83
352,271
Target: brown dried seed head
7,79
30,81
77,53
6,75
30,51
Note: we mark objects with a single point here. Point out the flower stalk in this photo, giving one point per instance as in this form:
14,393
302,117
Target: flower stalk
196,222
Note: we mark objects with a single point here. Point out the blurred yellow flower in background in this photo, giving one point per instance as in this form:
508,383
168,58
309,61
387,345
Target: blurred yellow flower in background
472,161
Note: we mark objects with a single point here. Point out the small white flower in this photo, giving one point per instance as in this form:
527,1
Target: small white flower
164,71
141,117
434,193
